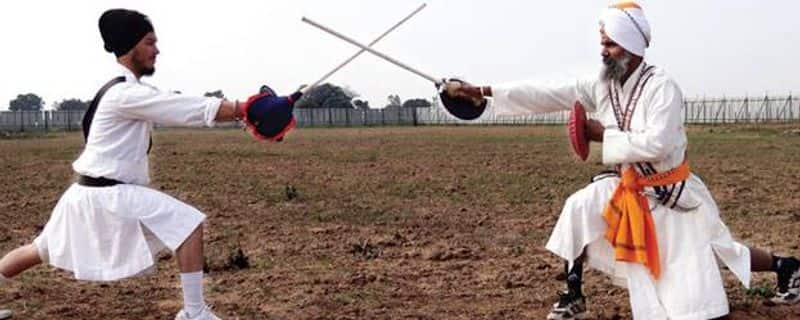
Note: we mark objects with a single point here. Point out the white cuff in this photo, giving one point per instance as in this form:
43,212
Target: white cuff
614,144
212,108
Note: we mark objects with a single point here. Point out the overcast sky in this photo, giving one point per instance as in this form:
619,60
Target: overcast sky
712,47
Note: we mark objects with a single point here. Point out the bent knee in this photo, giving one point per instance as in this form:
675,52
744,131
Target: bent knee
595,193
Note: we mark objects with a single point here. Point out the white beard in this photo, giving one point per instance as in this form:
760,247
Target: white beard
615,69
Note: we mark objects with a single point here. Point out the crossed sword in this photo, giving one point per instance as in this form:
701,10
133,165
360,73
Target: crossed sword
368,48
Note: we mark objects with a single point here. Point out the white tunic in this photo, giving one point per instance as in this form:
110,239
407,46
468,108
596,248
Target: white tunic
651,138
110,233
120,132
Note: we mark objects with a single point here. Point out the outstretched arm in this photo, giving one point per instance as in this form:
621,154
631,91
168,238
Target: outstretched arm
522,98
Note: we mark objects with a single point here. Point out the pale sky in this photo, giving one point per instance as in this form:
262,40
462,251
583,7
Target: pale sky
712,47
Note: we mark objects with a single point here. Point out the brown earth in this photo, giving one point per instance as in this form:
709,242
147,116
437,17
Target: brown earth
384,223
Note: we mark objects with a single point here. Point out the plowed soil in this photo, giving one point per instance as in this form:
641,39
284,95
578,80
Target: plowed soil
385,223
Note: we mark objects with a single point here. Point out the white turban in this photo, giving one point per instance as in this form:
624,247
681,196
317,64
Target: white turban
626,25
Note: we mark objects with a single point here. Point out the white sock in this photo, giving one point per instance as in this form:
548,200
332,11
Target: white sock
192,284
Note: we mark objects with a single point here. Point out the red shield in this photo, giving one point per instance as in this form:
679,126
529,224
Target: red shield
576,128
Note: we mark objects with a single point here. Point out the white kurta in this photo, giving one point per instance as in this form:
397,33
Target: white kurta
689,230
110,233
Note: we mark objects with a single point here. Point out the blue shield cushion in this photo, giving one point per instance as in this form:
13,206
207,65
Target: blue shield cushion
270,117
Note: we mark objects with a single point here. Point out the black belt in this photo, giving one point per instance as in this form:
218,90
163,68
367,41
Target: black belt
88,181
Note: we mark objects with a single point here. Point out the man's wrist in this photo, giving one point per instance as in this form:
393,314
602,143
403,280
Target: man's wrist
486,91
237,113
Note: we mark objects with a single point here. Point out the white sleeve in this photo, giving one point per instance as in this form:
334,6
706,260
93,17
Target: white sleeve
664,129
168,108
528,97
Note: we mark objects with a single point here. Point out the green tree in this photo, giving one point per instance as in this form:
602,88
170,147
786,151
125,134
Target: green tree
326,96
72,105
417,103
361,104
217,93
26,102
394,101
350,92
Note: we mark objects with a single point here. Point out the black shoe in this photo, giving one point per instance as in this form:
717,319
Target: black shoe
570,306
788,281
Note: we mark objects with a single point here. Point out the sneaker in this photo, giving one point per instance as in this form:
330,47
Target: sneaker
5,314
788,281
569,306
206,314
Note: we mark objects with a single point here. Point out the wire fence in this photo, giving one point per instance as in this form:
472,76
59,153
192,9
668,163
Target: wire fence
358,117
773,109
742,109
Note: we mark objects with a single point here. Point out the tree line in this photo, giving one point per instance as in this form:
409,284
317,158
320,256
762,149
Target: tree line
33,102
323,96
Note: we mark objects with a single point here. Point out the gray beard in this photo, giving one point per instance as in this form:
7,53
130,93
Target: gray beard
614,69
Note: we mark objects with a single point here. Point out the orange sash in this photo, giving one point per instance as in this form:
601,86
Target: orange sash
631,230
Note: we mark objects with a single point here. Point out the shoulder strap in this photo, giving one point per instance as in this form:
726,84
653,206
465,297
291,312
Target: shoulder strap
89,115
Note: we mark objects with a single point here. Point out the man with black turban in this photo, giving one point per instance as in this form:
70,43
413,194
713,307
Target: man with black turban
109,225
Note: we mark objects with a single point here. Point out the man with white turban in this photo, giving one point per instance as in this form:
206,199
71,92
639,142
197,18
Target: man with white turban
650,224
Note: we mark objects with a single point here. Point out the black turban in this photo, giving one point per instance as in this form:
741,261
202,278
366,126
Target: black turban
122,29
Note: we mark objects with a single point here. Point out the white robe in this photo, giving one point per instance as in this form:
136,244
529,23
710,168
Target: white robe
689,230
110,233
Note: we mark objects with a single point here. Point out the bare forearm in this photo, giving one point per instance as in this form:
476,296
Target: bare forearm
476,92
487,91
463,90
229,111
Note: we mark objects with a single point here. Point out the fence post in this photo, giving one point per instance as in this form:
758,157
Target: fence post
724,107
685,111
706,118
746,106
767,107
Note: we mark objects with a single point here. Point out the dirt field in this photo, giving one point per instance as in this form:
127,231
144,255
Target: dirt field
385,223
